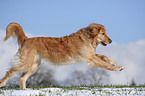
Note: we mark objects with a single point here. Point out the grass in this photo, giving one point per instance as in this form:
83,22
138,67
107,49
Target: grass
92,86
101,90
83,87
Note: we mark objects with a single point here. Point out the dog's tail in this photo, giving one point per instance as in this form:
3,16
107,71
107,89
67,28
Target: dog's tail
15,30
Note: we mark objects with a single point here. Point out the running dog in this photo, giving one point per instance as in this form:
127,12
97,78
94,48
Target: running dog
76,48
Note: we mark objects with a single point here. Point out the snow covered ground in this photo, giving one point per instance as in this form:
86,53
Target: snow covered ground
71,92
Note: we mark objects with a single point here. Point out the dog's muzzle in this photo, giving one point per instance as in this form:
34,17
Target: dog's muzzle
105,44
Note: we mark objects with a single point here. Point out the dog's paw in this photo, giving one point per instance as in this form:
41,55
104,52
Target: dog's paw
121,68
1,85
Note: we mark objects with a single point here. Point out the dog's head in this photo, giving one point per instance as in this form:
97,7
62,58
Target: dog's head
98,33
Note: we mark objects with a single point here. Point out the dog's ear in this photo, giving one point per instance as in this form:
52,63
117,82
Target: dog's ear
93,31
89,31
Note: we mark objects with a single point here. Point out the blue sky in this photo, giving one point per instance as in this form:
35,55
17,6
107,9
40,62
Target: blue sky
123,19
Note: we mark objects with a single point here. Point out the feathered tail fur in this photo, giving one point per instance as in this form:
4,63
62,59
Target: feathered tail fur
15,30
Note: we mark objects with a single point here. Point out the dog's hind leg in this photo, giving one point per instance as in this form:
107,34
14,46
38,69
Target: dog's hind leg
9,73
23,62
28,73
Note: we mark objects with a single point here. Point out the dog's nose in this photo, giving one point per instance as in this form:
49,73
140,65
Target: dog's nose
110,41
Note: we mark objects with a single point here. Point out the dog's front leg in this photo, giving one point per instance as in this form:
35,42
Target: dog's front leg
106,59
96,62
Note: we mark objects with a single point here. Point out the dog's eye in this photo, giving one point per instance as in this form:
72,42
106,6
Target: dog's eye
103,33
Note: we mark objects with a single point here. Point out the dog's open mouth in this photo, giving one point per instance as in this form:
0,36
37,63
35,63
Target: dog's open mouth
103,43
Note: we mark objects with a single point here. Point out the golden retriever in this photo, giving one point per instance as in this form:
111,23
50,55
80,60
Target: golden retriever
76,48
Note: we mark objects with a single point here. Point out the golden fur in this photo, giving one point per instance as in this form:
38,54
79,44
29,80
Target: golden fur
76,48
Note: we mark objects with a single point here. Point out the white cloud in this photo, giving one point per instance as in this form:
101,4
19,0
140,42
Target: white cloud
130,55
7,51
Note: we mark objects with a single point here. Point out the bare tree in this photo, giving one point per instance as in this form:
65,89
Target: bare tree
91,76
133,82
97,76
77,78
42,77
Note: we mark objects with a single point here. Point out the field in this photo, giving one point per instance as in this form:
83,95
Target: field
76,91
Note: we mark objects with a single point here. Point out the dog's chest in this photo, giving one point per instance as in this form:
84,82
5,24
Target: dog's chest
87,51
